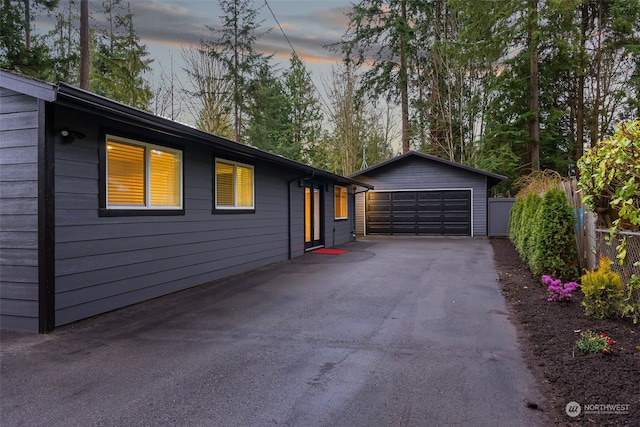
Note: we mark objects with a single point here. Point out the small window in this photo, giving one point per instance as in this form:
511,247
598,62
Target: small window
142,176
340,194
234,185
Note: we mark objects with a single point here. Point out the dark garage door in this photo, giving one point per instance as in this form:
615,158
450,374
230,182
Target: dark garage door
446,212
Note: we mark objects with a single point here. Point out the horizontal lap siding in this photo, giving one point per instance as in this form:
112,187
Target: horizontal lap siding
104,263
297,219
337,232
18,211
423,174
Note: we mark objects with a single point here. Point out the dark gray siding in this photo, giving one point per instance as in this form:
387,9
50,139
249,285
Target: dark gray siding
103,263
414,173
297,219
19,124
337,232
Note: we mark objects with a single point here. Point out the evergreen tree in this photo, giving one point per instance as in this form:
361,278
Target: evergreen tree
65,40
269,112
380,34
20,49
234,45
119,60
586,51
305,115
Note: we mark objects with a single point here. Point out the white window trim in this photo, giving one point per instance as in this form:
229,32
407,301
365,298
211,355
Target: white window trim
235,186
147,174
346,200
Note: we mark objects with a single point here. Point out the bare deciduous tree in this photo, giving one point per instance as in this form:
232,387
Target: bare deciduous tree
211,92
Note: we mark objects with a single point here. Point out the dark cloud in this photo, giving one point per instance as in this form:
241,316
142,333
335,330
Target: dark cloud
186,22
173,24
309,33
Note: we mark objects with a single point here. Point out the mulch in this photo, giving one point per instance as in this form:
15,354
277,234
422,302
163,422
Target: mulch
606,386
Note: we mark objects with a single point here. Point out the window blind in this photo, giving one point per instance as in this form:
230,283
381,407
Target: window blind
245,186
234,185
164,177
340,202
141,175
224,184
125,174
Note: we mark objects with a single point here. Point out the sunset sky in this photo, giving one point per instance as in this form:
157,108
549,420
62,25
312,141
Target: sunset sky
167,26
309,25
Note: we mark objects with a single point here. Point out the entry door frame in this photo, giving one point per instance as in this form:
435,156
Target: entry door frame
313,217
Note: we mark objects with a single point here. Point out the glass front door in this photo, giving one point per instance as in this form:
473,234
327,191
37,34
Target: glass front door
312,216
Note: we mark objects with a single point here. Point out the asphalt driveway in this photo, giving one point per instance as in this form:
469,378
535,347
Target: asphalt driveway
395,332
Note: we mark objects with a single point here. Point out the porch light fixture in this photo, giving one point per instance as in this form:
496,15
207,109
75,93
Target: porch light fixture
68,135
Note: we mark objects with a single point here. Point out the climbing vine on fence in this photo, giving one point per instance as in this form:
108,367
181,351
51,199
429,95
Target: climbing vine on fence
610,181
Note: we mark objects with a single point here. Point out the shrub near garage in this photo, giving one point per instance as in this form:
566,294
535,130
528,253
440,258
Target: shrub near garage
527,226
515,217
554,249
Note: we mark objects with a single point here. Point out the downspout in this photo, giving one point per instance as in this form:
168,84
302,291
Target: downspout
301,179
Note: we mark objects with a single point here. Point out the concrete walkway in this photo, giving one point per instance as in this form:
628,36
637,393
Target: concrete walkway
396,332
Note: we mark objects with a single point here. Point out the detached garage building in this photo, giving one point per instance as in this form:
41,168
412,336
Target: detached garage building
420,194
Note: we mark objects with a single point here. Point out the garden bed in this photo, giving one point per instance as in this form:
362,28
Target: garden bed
607,386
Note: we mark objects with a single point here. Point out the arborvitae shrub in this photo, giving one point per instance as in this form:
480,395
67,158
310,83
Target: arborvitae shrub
515,218
553,245
603,291
527,225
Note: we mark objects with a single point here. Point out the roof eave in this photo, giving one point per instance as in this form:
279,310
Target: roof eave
73,94
28,86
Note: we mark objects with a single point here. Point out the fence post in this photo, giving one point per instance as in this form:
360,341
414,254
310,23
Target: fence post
591,241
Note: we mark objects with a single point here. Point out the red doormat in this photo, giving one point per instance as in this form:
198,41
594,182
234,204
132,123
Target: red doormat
329,251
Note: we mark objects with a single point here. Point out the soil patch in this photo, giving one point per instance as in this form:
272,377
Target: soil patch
606,386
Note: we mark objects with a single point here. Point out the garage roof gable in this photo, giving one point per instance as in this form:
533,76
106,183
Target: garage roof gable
492,178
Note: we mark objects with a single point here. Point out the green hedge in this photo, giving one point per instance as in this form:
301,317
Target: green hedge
543,232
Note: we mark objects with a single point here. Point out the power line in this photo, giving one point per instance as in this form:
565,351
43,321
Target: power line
322,100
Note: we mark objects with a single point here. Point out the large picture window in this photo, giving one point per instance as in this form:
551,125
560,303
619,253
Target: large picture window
142,176
234,185
340,204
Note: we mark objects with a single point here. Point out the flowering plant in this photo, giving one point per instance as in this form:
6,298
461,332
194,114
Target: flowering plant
591,342
559,291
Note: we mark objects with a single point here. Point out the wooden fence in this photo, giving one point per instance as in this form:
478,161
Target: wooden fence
593,242
586,235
